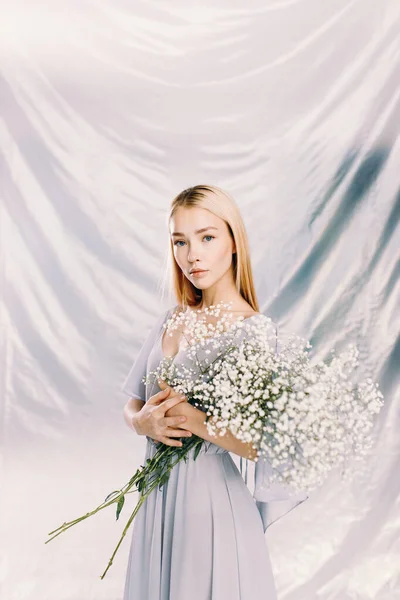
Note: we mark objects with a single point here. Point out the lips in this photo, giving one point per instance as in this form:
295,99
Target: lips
198,271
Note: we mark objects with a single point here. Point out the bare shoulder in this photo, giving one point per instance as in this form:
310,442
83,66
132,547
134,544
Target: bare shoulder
246,311
177,308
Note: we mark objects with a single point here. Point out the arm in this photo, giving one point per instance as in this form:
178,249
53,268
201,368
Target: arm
133,384
196,423
131,409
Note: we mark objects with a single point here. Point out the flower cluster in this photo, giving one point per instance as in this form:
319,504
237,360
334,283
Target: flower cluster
305,417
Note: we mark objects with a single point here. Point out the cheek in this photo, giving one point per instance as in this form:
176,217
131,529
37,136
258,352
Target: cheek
178,255
222,255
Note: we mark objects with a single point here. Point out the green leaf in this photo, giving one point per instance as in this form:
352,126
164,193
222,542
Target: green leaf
109,495
120,505
197,450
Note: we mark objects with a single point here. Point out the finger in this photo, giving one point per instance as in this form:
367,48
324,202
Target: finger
162,384
177,433
170,402
170,442
174,421
160,396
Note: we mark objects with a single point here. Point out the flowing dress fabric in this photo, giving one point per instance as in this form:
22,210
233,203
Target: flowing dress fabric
202,534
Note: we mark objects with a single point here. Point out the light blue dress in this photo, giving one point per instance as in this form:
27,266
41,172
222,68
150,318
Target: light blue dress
202,535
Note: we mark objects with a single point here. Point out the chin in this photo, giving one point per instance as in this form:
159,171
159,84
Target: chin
200,286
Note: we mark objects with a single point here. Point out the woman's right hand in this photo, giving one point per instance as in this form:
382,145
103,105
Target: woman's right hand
151,419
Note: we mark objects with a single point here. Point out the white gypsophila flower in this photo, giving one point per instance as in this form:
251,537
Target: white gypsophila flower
307,418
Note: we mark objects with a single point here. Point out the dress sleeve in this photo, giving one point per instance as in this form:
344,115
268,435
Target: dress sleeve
133,384
273,500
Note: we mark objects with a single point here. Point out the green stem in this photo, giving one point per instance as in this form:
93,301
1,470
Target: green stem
148,476
143,497
133,515
160,454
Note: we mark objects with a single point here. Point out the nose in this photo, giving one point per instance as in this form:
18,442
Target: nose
193,255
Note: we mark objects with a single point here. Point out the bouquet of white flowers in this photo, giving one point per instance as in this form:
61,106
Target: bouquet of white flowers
303,418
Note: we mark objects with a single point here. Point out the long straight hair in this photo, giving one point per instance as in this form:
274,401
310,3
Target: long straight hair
221,204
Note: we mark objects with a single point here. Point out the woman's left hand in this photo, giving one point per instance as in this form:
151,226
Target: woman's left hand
163,384
183,409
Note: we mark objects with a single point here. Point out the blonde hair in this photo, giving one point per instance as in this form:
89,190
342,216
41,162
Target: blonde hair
221,204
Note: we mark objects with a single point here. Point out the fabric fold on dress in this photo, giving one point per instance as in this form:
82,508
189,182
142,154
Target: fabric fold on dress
273,500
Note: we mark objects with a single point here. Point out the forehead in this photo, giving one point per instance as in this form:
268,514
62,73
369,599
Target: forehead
189,220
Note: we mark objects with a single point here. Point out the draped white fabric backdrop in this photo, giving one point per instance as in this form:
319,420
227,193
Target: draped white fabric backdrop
108,110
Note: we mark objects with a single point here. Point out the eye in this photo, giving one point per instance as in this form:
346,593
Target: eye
205,236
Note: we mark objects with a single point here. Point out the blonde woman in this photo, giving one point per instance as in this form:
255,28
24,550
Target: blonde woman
202,535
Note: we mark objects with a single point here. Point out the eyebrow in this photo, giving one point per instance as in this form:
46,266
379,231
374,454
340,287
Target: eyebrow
175,233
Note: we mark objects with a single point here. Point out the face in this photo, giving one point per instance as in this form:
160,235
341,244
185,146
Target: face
210,249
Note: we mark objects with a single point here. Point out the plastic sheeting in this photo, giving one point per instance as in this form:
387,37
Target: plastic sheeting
108,110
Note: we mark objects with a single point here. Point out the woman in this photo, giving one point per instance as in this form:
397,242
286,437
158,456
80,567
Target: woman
202,535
